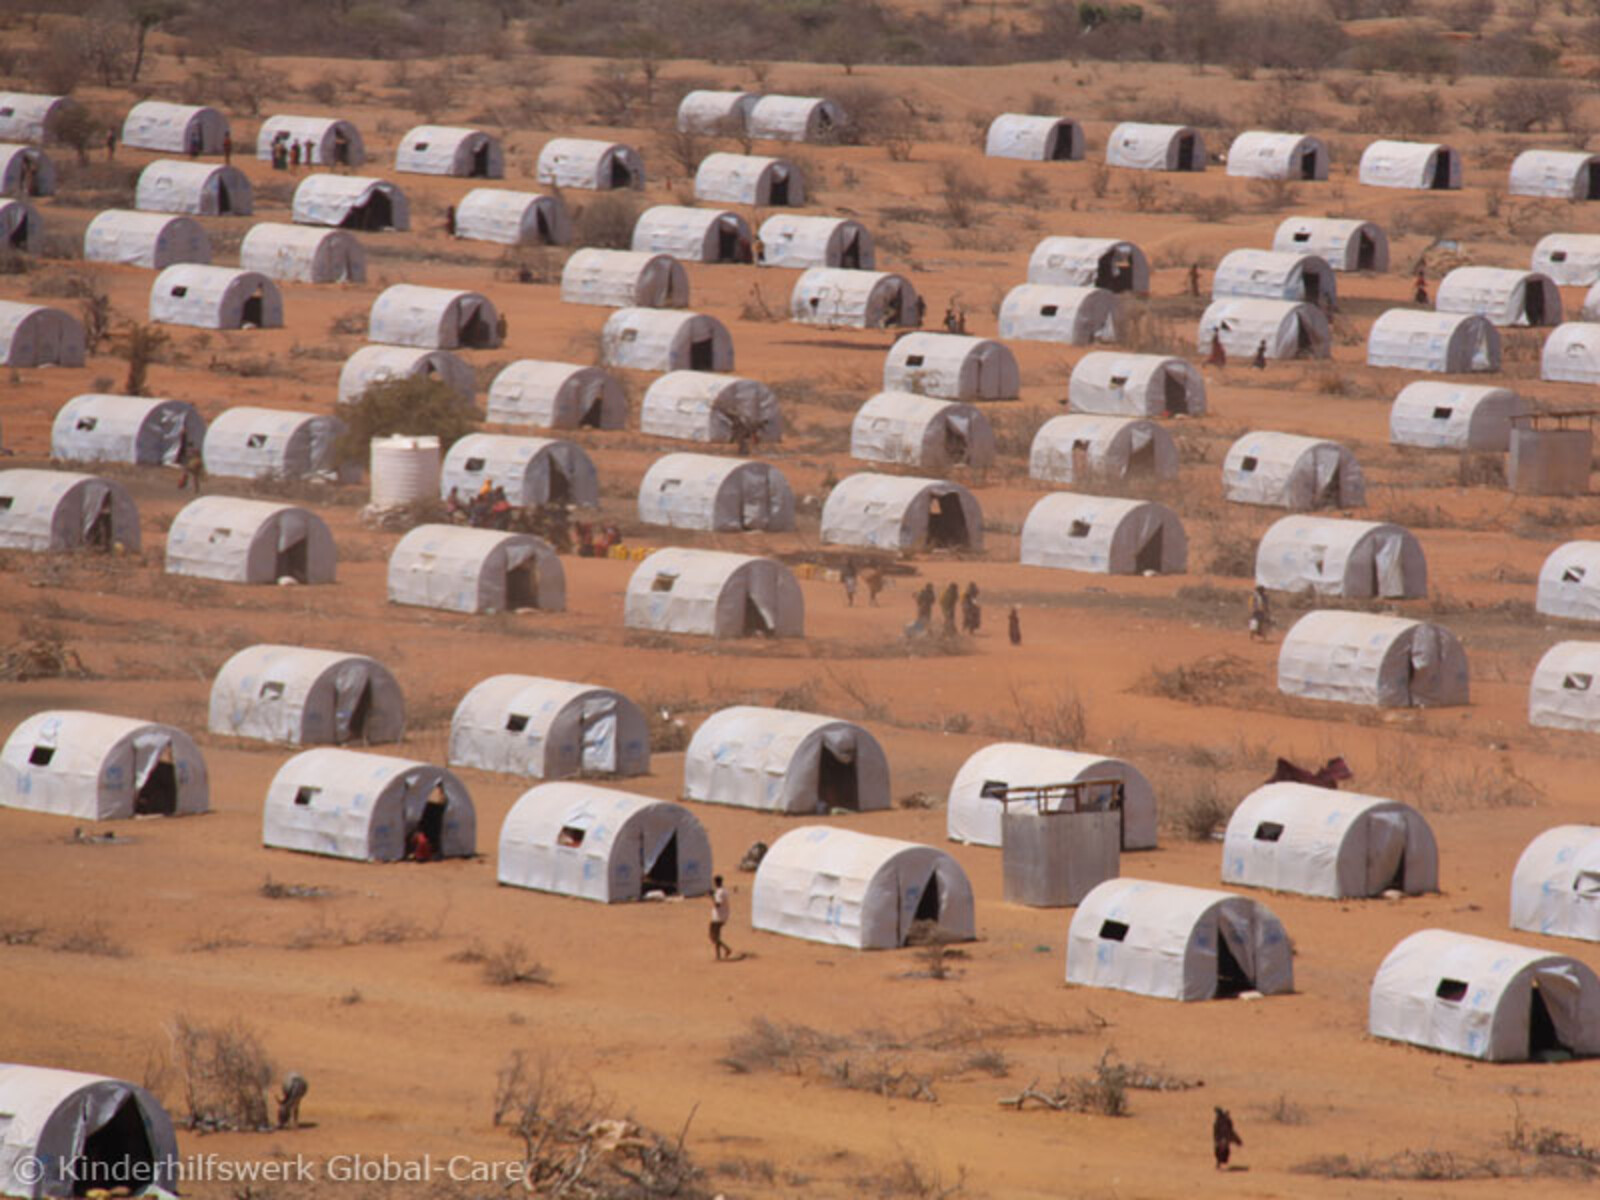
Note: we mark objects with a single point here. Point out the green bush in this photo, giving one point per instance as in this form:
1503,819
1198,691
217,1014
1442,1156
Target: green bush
417,407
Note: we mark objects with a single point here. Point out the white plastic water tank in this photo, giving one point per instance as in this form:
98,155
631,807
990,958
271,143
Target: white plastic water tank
404,470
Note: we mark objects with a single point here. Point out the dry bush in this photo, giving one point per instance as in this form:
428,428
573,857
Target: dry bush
513,963
961,193
1211,210
90,937
40,654
225,1072
1058,719
271,889
1274,194
1204,681
606,221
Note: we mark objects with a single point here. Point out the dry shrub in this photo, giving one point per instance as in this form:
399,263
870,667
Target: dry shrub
606,221
40,654
1203,681
225,1072
514,964
91,937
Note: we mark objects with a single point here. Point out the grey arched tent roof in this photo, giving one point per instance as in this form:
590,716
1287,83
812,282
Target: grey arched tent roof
656,339
1330,556
548,729
450,150
350,202
951,366
15,163
1565,690
602,844
1286,470
250,541
144,430
63,510
36,335
1569,582
1424,165
145,239
1035,138
920,431
1117,266
1284,328
1454,416
433,318
714,594
835,297
334,140
179,186
1562,174
1136,385
1346,245
301,696
1259,154
1451,343
785,761
460,569
374,364
800,241
1078,447
974,812
532,470
715,112
901,513
556,395
1275,275
1075,316
21,227
176,128
794,118
1156,147
512,218
1555,881
1293,837
624,279
27,116
303,254
1106,535
693,234
1571,353
98,767
589,163
703,406
749,179
1502,295
712,492
1370,658
1571,259
215,298
245,442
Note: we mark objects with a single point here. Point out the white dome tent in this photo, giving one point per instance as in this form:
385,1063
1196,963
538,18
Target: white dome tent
208,297
1427,166
1281,328
1104,535
715,113
589,164
548,729
245,442
1503,296
919,431
45,511
1449,343
1571,353
952,366
97,767
377,364
705,235
302,696
1276,275
901,513
657,339
1344,244
29,116
250,541
209,189
800,242
350,202
556,395
1569,582
1484,999
1330,556
974,810
1285,470
1156,147
1452,416
144,430
433,318
17,162
1136,385
139,239
21,227
1177,943
1090,262
475,570
624,279
532,470
1082,447
335,142
1571,259
599,843
837,297
511,218
367,807
1073,316
1034,138
845,888
1293,837
1259,154
1557,879
752,179
794,118
450,150
64,1128
303,254
1562,694
175,128
1560,174
711,492
779,760
714,594
704,406
1373,659
36,335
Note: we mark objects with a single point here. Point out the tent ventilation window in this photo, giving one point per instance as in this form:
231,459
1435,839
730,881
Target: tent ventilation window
40,756
1114,931
1577,682
994,789
1249,464
663,582
1558,256
1454,990
1442,413
1302,235
87,423
1573,575
474,464
180,290
914,360
570,835
256,440
516,723
5,503
420,146
1268,831
1119,381
1587,884
272,690
1080,529
220,535
304,796
1049,310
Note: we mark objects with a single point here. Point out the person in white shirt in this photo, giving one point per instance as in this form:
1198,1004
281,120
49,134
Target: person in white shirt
719,918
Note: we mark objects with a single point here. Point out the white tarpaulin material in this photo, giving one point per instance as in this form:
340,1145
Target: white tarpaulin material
1247,325
1451,343
1276,275
1454,416
476,570
1369,658
532,470
702,406
209,189
63,1127
1555,889
303,254
657,339
1074,316
1424,165
350,804
548,729
794,118
714,112
97,767
1293,837
1285,470
26,116
432,318
836,296
792,240
62,510
1090,262
1345,245
450,150
694,234
1034,138
215,298
1502,295
1105,535
952,367
749,179
1136,385
1078,447
556,395
32,335
334,141
624,278
714,594
591,164
139,239
1484,999
1561,174
1564,692
707,491
784,761
175,128
1258,154
919,431
512,218
350,202
1156,147
21,227
845,888
598,843
375,364
15,163
1175,942
1569,582
901,513
302,696
272,443
1571,353
1571,259
974,811
144,430
250,541
1331,556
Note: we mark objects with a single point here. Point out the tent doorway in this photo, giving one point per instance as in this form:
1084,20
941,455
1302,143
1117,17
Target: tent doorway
778,191
558,489
620,175
480,161
1231,977
1186,152
755,621
475,330
19,236
1311,285
702,354
1115,271
224,197
661,874
728,242
1544,1043
1331,492
1533,303
850,255
955,444
253,311
1149,556
98,531
930,902
1174,394
356,730
1366,252
1308,164
159,795
541,226
1142,459
1591,181
376,212
1304,344
522,588
837,786
292,562
947,522
110,1151
1440,179
1060,148
593,412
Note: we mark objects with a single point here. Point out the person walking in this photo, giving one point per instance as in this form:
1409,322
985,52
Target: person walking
1194,279
1260,614
293,1091
1259,362
847,576
1224,1137
227,149
948,599
1014,626
720,911
1218,356
1419,285
111,144
873,578
971,613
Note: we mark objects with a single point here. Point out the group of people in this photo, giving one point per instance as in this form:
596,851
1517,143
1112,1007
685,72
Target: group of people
490,508
1219,356
288,154
851,578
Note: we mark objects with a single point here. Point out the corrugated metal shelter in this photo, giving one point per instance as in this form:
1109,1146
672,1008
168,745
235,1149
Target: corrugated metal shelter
717,113
1104,535
1329,556
1345,245
303,254
1156,147
21,227
433,318
1504,296
797,241
780,760
714,594
1429,166
350,202
145,239
919,431
1454,416
375,364
25,170
35,335
532,470
974,809
1276,275
1569,582
1080,447
1562,694
1090,262
704,406
952,367
513,218
450,150
1074,316
835,297
1259,154
144,430
97,767
589,163
1283,328
1571,353
749,179
901,513
209,189
175,128
1370,658
63,510
1571,259
1285,470
708,491
1034,138
28,116
1450,343
1557,879
301,696
369,807
1560,174
624,279
1136,385
548,729
245,442
658,339
694,234
210,297
250,541
556,395
459,569
794,118
334,141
